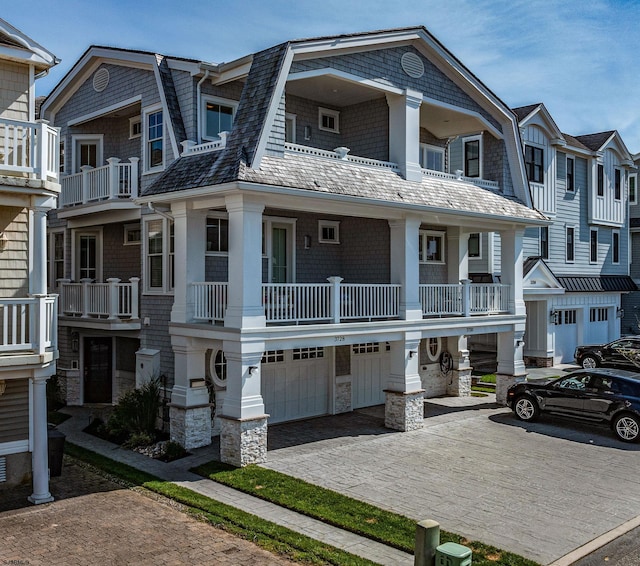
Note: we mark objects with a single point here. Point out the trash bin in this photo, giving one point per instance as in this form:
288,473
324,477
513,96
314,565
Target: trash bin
453,554
55,441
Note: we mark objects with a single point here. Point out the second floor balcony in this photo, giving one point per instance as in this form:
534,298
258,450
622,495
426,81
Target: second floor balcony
115,181
28,329
337,302
29,149
114,304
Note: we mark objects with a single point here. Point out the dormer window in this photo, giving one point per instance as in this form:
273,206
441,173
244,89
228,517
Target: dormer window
473,157
329,120
617,184
534,163
218,115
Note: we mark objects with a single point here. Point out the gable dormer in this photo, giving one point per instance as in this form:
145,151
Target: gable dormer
540,137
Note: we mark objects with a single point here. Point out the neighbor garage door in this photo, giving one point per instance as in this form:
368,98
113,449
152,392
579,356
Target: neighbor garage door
295,384
566,335
598,328
370,371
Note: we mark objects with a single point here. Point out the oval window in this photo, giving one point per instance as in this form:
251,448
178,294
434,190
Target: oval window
434,347
218,368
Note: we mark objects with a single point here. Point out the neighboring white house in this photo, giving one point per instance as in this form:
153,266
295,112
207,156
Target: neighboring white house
287,234
29,154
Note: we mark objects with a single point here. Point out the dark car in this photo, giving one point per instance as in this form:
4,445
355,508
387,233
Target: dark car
624,352
600,395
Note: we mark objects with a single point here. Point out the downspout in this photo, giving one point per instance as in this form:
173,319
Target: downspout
162,213
199,96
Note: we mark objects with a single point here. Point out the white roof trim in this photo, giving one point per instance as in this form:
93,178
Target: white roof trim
39,55
106,110
349,77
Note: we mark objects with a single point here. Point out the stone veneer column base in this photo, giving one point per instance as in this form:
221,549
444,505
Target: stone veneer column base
459,383
503,382
243,442
404,411
190,426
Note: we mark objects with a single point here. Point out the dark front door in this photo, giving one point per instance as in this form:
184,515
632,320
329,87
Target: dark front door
97,370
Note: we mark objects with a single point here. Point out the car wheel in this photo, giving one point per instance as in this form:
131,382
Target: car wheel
627,427
589,362
526,409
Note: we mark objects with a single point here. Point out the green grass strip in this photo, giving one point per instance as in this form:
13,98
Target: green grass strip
271,537
341,511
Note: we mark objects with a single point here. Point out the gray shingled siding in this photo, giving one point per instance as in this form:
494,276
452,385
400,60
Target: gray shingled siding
275,143
119,260
365,129
561,168
185,88
158,309
495,165
383,66
216,268
306,112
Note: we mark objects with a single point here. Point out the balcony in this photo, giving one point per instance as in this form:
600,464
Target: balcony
112,305
28,329
337,302
116,181
29,148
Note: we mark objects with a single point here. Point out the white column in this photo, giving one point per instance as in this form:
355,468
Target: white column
189,228
245,308
405,265
457,254
404,133
38,251
511,272
39,455
243,398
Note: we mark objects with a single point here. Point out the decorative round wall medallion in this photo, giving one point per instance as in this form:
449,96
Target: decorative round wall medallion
100,79
412,65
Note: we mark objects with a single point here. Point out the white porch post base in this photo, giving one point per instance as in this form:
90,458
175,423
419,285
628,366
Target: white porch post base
459,383
404,411
191,426
503,382
243,441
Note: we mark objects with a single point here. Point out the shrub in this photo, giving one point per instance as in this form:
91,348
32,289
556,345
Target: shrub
172,451
138,439
136,412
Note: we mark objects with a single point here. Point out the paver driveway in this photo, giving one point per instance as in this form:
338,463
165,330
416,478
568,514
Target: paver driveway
540,489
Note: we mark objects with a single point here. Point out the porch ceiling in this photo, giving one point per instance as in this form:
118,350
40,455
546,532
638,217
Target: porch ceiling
332,91
446,122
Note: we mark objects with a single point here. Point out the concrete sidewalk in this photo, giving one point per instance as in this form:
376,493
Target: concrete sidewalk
178,472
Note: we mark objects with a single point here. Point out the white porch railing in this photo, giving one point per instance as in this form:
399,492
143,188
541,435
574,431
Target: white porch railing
458,176
113,181
340,153
29,147
112,300
190,147
464,299
28,325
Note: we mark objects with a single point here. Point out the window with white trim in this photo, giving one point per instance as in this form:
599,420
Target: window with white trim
617,183
132,234
431,157
472,154
217,235
633,188
593,245
600,179
55,257
544,242
570,244
534,163
474,246
431,246
328,120
615,246
158,271
217,116
571,174
328,232
433,348
135,127
61,155
290,128
154,139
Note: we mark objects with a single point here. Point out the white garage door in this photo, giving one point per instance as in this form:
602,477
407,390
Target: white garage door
566,335
295,384
598,328
370,370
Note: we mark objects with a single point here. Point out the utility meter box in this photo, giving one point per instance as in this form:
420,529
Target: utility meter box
147,366
453,554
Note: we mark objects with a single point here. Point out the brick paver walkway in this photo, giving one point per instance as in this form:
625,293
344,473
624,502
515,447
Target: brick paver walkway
97,522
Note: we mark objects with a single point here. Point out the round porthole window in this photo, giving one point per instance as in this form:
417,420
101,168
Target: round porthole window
434,347
218,368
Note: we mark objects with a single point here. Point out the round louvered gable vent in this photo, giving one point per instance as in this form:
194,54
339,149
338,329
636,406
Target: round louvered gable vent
100,79
412,65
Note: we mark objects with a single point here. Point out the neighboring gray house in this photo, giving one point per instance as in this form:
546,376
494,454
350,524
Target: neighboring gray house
631,301
577,269
287,233
28,189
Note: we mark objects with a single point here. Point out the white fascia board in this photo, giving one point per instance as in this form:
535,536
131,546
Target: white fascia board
105,110
616,143
39,55
274,104
229,72
165,110
97,215
544,121
87,64
186,66
349,77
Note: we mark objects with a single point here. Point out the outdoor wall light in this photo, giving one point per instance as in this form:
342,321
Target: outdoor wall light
554,317
4,241
307,242
253,369
619,312
412,353
75,342
3,386
307,133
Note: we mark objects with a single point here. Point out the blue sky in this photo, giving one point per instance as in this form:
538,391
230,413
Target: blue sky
579,57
